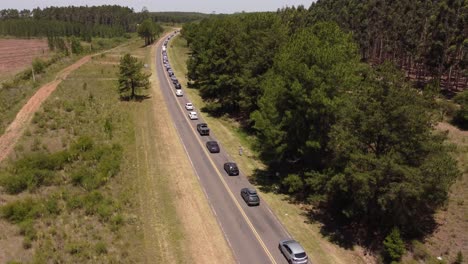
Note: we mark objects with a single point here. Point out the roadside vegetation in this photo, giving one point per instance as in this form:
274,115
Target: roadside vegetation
352,141
67,187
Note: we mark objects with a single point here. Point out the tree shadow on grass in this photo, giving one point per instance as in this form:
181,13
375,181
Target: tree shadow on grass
136,98
266,180
336,230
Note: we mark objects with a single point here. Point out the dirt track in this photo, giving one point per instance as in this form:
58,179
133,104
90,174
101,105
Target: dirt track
24,116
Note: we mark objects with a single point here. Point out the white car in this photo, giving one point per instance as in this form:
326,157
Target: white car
193,115
189,106
179,92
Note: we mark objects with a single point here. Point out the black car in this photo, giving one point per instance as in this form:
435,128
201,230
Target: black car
212,146
231,168
250,196
171,73
178,86
174,79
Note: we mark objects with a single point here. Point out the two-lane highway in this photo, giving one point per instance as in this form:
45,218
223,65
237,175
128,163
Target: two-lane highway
253,233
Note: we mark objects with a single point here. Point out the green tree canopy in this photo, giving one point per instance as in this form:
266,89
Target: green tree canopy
131,77
299,100
389,167
148,30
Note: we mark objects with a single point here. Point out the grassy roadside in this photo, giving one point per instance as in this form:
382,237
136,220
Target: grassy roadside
78,191
291,215
98,184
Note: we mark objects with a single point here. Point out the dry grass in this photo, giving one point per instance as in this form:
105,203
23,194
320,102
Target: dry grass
451,236
291,215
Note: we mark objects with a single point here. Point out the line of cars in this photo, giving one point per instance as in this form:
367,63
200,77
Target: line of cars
291,249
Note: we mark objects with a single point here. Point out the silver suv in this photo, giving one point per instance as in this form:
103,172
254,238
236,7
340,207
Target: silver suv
293,251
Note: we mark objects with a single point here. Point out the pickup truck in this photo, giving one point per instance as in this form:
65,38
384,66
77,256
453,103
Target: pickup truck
203,129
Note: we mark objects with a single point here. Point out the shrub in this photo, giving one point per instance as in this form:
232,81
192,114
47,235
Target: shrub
419,251
38,65
27,243
116,222
461,118
21,210
51,205
73,202
461,98
96,203
27,229
459,259
83,144
394,247
87,178
101,248
74,248
68,106
13,184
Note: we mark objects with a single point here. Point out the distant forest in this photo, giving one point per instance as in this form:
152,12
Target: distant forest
82,21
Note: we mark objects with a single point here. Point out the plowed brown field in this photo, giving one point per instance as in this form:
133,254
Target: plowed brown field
17,54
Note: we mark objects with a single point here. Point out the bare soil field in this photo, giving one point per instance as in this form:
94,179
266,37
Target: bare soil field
17,54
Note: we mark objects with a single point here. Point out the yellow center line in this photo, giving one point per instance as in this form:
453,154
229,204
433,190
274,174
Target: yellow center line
218,172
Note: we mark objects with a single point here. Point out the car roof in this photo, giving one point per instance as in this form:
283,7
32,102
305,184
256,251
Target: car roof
294,246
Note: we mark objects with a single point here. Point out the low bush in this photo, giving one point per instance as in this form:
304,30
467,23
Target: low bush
74,248
21,210
38,65
100,248
394,247
51,205
96,204
27,229
419,251
33,171
87,178
461,118
116,222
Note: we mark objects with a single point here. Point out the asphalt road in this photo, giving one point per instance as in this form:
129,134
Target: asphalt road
253,233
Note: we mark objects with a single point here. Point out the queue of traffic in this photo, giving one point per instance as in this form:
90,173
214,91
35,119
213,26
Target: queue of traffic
290,248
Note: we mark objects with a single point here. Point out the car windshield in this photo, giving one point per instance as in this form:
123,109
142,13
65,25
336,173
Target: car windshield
253,192
300,255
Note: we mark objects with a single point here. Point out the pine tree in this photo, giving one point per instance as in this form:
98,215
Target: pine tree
131,78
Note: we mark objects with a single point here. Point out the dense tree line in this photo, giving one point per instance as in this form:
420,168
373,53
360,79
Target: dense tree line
428,39
353,139
83,21
176,17
42,28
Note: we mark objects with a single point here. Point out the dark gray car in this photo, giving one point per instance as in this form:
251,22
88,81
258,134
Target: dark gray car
250,196
231,168
293,251
212,146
